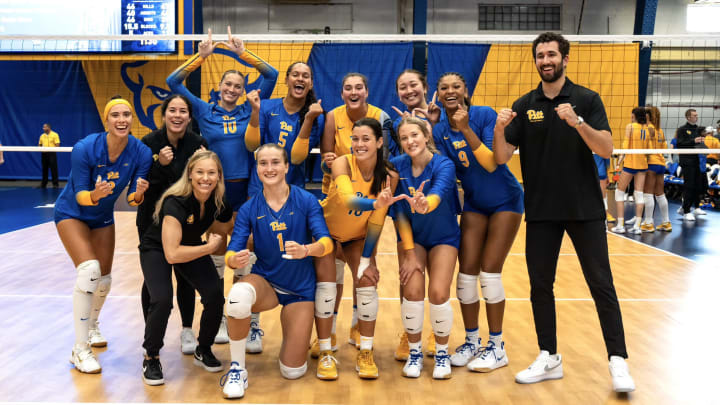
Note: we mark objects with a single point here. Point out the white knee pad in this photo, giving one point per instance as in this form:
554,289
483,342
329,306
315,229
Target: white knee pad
339,271
219,262
292,373
441,317
638,197
619,195
240,300
88,276
325,299
244,271
412,315
492,287
467,289
367,303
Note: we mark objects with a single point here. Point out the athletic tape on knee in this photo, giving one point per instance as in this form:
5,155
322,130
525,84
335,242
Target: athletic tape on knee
467,289
412,315
441,317
219,262
619,195
492,287
292,373
325,299
88,276
240,300
638,195
367,303
244,271
339,271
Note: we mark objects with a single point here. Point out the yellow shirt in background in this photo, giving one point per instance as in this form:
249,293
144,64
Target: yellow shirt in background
49,140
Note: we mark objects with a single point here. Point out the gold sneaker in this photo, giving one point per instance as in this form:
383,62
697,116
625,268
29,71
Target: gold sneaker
327,366
430,345
315,348
665,226
648,227
354,338
610,218
365,365
402,353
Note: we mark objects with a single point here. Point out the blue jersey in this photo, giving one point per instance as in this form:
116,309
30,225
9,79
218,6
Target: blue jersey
441,224
280,127
90,160
299,220
482,188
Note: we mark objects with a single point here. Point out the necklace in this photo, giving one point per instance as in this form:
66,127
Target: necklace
282,210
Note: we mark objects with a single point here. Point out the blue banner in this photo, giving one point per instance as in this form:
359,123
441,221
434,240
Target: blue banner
466,59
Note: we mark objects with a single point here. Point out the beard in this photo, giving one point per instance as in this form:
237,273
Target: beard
552,77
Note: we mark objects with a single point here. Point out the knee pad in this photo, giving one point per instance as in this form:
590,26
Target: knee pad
339,271
104,285
244,271
367,303
492,287
219,262
240,300
638,195
325,299
467,289
88,276
412,315
441,317
619,195
292,373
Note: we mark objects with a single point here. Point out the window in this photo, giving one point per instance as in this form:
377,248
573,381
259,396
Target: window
519,17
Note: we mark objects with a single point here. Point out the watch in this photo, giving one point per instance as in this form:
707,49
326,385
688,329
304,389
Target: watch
580,121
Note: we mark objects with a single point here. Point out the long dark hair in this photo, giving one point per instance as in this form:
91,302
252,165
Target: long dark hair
382,166
466,99
309,99
640,115
166,103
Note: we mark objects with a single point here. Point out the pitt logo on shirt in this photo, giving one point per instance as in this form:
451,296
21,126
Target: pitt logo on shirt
535,116
113,175
191,219
285,127
278,226
459,144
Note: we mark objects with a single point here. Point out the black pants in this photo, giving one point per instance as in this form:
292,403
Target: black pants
543,240
692,186
201,275
49,161
185,300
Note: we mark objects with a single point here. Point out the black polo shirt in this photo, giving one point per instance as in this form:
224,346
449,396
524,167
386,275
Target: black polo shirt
187,211
686,135
162,177
559,172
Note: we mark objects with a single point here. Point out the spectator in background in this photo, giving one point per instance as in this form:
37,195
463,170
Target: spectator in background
49,139
689,136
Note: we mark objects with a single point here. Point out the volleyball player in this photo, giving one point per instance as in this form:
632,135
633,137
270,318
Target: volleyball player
359,196
171,146
634,166
283,220
492,211
223,125
102,165
602,170
655,177
174,240
430,238
336,142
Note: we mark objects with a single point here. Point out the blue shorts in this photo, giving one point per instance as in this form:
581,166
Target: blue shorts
236,193
453,241
602,165
286,298
633,171
659,169
515,204
93,224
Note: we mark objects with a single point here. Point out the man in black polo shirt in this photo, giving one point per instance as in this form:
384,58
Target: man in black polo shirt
557,128
689,136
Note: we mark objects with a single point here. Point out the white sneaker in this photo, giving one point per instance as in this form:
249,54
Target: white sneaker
689,216
234,382
490,358
254,340
414,364
442,370
680,211
621,379
618,228
222,334
635,230
465,352
631,221
545,367
699,211
95,338
84,360
187,341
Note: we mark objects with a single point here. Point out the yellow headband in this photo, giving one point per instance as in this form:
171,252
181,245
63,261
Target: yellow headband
113,103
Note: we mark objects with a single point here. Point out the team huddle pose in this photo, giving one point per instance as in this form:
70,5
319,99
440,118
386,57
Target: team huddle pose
244,177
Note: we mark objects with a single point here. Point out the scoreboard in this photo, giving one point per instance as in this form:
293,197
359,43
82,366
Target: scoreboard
148,17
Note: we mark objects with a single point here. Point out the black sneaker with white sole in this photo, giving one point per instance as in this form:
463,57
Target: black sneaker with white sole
207,360
152,372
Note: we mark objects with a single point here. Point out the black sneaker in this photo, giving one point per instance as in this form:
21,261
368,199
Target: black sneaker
152,372
206,359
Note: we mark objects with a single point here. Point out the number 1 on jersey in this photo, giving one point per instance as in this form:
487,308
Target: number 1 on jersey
280,242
